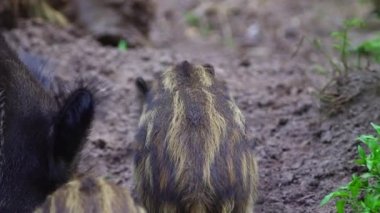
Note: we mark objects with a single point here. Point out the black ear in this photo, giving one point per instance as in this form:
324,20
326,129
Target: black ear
209,68
71,129
142,85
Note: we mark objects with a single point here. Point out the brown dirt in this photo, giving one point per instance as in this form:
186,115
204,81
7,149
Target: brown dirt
303,154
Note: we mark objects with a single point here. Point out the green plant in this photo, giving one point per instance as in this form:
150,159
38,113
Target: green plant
370,48
192,19
342,42
123,45
333,100
362,193
196,21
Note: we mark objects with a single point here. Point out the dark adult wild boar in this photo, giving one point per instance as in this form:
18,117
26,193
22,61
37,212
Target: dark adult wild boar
39,137
92,195
193,153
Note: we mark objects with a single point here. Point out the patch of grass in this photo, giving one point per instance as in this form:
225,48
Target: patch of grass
362,193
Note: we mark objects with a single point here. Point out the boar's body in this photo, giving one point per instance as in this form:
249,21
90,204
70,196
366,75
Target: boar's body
193,152
24,106
39,138
89,194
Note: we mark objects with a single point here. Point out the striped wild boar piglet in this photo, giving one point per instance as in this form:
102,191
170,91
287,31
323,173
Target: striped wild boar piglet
88,194
193,154
40,137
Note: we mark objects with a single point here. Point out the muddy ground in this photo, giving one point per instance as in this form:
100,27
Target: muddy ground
303,153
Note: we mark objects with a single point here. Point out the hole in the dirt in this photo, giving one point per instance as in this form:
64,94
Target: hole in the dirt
273,132
111,40
318,134
282,122
100,144
245,63
302,110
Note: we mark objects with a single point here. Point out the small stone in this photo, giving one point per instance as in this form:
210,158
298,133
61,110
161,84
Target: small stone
245,63
326,137
287,178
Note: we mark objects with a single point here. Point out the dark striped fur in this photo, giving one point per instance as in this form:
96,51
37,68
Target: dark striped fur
193,152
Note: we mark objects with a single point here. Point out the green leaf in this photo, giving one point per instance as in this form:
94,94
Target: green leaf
354,23
337,34
341,193
123,46
355,185
371,48
366,138
366,175
369,164
373,146
192,20
340,206
375,126
361,152
327,198
360,162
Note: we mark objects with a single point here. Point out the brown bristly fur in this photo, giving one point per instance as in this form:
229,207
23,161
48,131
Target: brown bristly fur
193,153
95,195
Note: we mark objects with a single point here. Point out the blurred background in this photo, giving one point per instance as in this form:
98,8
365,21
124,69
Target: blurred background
232,23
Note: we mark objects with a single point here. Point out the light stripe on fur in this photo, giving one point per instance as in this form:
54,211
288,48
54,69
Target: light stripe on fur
238,115
204,78
177,148
217,131
169,80
95,195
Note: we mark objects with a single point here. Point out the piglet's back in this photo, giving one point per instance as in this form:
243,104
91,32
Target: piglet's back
194,155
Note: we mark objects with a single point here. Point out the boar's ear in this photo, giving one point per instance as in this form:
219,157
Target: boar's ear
70,130
142,85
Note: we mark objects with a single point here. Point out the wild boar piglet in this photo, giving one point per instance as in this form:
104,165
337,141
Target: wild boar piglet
193,153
